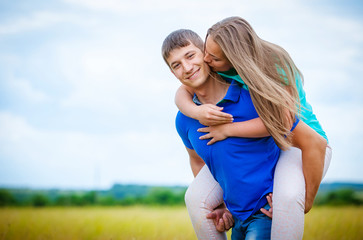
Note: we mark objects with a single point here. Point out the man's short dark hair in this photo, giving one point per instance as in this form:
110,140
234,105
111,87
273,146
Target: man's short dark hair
178,39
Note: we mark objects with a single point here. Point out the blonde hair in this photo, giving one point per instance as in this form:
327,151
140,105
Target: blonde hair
268,71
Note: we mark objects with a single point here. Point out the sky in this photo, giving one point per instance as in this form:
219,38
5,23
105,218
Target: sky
86,100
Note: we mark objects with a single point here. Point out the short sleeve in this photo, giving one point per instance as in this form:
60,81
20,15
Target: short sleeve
181,127
297,120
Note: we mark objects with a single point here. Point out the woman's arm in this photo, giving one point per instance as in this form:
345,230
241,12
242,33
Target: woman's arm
253,128
313,147
206,114
211,115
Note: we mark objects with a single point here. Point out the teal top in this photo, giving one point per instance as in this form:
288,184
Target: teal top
306,111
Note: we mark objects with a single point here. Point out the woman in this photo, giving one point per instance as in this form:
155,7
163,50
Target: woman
235,51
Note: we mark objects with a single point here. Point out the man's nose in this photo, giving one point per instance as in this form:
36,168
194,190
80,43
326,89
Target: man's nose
188,67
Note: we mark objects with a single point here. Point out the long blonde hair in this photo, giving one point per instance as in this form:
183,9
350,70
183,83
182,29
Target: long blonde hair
268,71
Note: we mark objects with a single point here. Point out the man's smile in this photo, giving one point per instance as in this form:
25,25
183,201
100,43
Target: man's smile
193,75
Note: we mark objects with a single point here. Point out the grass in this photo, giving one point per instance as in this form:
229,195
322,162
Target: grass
150,223
95,223
343,223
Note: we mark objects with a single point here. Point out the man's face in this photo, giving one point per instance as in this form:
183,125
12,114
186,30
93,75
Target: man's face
188,66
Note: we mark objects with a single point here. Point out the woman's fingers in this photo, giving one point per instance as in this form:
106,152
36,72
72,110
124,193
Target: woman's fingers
206,136
217,115
206,129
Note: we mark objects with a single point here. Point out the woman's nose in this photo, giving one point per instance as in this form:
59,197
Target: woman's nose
206,58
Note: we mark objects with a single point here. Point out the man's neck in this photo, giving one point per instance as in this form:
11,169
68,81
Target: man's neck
213,90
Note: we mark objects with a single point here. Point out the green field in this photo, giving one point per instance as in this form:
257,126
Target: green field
324,223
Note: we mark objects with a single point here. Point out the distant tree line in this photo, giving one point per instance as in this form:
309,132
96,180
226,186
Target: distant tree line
154,196
344,196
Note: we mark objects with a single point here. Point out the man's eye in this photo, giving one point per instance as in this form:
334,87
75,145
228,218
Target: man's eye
190,55
175,66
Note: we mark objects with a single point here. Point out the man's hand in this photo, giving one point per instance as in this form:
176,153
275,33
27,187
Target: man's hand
210,115
216,133
268,213
222,219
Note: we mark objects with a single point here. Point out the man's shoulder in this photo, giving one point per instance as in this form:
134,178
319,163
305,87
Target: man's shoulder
180,117
183,121
179,114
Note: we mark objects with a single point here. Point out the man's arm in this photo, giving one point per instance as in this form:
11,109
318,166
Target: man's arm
221,217
313,147
196,162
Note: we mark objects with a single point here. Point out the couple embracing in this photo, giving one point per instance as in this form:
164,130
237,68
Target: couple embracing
253,140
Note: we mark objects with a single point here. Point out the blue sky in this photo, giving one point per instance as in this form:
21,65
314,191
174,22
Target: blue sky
87,101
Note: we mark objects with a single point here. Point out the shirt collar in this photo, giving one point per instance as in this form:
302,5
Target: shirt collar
232,74
232,95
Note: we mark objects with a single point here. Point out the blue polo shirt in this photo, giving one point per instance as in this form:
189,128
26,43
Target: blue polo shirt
244,167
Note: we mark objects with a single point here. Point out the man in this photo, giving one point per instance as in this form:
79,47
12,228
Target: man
243,167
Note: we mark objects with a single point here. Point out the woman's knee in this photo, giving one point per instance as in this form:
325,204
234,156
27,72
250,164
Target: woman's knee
192,198
289,199
204,192
195,199
207,199
289,193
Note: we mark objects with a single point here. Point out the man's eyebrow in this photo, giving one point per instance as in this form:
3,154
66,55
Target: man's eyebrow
186,54
189,52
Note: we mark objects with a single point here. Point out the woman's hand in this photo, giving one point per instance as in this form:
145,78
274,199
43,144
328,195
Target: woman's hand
216,133
211,115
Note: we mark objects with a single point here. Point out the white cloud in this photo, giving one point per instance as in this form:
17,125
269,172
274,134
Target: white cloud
110,73
104,59
37,20
24,89
71,158
128,7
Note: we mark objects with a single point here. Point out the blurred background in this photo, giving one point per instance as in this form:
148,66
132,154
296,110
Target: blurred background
86,100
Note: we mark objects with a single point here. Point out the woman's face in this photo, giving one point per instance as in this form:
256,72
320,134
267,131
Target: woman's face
215,57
